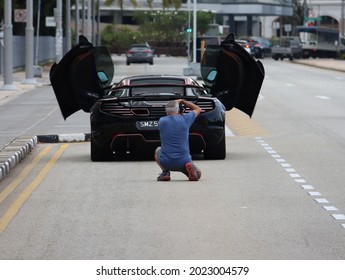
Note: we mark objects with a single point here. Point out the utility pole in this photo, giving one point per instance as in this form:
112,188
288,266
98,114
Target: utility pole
8,47
98,23
68,25
29,45
77,20
83,17
194,32
58,34
89,23
188,34
342,20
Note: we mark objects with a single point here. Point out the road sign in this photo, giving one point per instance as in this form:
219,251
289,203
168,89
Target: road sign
312,18
50,22
20,15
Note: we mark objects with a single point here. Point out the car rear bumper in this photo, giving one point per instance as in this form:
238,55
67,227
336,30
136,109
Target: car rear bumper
134,141
134,59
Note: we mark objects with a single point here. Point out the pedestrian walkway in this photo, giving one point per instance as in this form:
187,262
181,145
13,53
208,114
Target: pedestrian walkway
325,63
20,86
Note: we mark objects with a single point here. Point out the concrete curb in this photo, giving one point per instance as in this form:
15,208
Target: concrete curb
64,138
15,152
20,147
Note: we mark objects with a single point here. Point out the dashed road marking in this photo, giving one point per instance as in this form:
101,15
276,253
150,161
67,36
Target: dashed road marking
312,192
323,97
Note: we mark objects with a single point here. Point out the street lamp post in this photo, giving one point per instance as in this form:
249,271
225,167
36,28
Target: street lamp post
77,18
29,45
8,47
68,25
194,31
58,33
342,28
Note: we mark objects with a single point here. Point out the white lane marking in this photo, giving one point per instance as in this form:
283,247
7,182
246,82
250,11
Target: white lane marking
302,182
275,156
330,208
314,193
228,132
307,187
339,216
323,97
290,170
321,200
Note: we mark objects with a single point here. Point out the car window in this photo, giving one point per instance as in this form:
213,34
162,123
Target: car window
119,92
151,91
196,92
104,63
139,49
157,81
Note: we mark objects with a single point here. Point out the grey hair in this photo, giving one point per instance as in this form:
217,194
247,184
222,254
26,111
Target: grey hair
172,107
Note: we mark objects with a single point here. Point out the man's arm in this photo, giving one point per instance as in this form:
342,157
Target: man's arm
195,108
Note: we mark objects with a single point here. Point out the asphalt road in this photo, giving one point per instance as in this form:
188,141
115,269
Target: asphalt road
278,195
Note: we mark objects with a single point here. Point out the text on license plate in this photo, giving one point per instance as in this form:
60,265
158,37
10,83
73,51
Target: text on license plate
147,124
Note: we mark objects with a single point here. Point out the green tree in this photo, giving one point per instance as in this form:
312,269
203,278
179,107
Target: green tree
175,3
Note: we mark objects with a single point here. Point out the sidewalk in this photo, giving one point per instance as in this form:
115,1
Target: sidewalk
20,86
325,63
14,152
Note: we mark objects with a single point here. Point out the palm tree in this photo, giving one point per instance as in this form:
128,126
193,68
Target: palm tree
167,3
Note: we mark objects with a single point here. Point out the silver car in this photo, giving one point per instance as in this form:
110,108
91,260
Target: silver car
139,54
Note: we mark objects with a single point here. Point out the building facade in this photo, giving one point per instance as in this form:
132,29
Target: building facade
242,17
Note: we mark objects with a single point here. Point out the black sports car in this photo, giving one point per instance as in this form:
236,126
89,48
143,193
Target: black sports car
124,117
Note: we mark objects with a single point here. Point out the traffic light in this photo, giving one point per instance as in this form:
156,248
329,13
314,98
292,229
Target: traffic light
189,30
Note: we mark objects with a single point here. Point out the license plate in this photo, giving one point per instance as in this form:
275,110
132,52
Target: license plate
149,125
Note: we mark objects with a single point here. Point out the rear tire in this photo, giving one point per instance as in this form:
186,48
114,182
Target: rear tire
216,151
99,153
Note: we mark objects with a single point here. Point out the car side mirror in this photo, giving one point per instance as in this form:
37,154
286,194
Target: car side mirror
211,76
103,78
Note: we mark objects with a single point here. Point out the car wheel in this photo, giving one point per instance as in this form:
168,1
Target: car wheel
216,151
99,153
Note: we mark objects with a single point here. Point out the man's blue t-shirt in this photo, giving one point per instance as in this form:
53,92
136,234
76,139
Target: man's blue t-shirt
174,133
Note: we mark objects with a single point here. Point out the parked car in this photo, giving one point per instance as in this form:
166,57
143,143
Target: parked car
287,47
260,46
124,116
245,45
139,53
